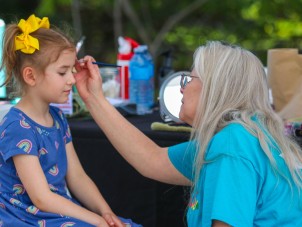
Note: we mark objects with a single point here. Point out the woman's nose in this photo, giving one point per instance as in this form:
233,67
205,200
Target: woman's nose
181,90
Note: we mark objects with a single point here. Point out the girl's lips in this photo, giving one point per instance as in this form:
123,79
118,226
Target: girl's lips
68,90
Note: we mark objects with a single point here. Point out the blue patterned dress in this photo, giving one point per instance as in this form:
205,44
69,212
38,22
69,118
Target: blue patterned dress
21,135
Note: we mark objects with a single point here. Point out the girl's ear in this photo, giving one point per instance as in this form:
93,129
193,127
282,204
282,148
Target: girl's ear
29,76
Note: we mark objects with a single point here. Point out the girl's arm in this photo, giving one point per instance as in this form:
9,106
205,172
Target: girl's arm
85,190
33,179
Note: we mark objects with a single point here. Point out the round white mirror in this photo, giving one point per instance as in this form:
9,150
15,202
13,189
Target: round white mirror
170,97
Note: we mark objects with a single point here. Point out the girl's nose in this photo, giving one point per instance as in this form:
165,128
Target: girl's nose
71,79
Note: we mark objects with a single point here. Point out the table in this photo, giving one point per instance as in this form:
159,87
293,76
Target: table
129,194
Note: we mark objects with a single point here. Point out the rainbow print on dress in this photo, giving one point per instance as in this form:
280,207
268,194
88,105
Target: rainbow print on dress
42,223
67,224
18,189
25,145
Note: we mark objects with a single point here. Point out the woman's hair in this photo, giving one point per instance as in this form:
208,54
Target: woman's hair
51,43
235,89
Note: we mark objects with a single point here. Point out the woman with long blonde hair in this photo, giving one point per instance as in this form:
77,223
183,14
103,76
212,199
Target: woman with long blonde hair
242,168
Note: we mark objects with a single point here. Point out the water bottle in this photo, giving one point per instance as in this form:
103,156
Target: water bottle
141,69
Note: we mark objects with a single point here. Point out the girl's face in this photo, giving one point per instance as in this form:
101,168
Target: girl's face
56,83
191,94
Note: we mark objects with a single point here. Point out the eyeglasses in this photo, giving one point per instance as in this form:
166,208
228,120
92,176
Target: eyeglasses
185,79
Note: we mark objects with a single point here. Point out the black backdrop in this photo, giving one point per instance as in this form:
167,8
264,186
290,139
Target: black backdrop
129,194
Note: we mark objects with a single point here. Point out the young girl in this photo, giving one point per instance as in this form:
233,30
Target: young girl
39,168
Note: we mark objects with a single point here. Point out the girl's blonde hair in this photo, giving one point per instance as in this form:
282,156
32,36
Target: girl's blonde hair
51,41
234,90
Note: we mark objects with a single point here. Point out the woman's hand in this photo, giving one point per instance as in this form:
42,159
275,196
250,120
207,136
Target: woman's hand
88,79
113,220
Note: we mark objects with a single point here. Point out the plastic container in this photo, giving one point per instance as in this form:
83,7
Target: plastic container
111,82
125,53
141,69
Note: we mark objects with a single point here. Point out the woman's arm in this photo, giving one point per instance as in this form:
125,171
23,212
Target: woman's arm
141,152
84,189
35,183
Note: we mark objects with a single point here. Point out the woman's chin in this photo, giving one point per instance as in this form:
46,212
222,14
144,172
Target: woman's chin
185,118
181,116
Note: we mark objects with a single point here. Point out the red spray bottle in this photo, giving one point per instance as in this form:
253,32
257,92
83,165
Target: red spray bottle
125,53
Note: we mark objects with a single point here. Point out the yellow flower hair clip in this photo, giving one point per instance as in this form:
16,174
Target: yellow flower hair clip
25,42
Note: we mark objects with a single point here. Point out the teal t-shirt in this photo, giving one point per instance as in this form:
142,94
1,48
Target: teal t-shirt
238,186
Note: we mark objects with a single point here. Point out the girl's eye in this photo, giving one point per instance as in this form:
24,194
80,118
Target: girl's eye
62,73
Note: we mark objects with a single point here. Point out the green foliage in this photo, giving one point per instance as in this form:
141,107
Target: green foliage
49,7
257,25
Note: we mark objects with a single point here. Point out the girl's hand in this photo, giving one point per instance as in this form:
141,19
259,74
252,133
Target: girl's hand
102,223
113,220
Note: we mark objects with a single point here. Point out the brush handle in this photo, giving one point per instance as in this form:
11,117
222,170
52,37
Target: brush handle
105,64
100,63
